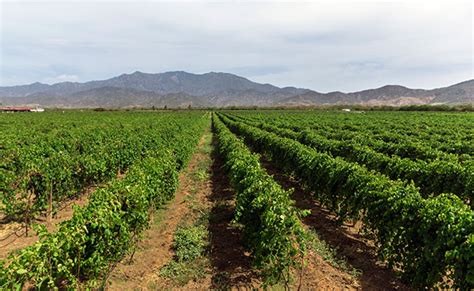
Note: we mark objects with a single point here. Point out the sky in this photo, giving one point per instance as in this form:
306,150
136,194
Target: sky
322,45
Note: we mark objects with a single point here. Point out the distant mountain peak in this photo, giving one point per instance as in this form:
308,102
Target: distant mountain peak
464,83
391,86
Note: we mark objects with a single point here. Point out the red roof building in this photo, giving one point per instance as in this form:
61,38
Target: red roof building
16,109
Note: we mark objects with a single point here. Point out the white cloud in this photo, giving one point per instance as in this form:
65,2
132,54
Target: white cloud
338,45
61,78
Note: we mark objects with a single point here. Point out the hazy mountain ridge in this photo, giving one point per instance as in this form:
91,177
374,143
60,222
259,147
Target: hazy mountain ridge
390,95
178,89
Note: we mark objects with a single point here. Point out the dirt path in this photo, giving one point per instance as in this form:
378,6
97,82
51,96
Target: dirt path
231,263
13,234
357,249
155,249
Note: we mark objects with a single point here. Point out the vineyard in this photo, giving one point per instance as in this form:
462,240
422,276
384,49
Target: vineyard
249,198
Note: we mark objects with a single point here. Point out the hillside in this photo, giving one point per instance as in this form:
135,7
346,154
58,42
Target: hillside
178,89
389,95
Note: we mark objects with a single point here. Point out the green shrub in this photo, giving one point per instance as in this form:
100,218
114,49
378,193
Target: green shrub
189,242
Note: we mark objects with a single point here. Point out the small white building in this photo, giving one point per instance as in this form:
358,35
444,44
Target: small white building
346,110
37,109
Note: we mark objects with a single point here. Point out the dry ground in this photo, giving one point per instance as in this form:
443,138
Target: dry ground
13,234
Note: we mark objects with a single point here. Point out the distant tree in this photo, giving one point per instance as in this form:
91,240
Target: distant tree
189,106
166,107
153,108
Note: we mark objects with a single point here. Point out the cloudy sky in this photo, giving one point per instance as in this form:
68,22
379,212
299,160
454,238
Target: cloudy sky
325,46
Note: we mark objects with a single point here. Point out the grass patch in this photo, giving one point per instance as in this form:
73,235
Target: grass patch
330,255
190,262
158,215
207,147
201,175
183,272
196,207
191,238
189,242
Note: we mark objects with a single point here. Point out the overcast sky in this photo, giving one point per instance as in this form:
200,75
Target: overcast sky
325,46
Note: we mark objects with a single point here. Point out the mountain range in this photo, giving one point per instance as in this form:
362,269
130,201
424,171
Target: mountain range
182,89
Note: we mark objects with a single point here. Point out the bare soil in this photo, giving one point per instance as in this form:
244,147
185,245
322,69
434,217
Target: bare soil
13,234
231,262
155,249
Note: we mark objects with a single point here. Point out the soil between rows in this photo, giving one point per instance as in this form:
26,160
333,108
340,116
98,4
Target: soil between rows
155,248
13,234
